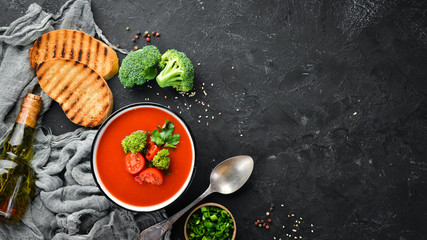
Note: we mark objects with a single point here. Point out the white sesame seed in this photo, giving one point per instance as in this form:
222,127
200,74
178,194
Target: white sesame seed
282,205
213,117
176,97
157,94
177,106
311,225
204,92
232,67
237,110
241,135
283,226
200,116
355,113
166,97
206,110
203,84
294,230
198,120
206,116
312,231
198,64
219,113
212,84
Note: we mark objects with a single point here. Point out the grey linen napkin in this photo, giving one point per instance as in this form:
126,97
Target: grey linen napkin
68,204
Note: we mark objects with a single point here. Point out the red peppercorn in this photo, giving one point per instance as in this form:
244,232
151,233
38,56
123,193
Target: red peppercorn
267,227
157,34
258,221
136,36
148,35
148,39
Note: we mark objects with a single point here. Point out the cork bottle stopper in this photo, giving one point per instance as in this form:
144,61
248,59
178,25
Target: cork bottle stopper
30,109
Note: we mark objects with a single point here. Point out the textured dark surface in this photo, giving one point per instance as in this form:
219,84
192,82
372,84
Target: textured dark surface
328,97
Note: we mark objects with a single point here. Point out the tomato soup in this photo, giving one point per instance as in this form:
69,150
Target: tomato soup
109,159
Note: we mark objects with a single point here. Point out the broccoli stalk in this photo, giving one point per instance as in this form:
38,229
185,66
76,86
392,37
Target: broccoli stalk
139,66
161,161
177,71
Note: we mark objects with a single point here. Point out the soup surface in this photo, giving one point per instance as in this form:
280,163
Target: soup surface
110,158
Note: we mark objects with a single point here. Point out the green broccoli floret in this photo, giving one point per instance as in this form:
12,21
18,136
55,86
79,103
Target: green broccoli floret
177,71
135,142
139,66
161,161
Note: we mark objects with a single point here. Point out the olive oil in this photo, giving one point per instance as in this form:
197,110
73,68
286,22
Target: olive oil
16,174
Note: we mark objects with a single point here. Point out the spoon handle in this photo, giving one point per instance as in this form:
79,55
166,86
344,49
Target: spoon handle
156,231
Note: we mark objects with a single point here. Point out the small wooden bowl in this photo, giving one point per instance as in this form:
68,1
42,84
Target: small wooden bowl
215,205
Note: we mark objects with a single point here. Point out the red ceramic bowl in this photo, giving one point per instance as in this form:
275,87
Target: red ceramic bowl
108,158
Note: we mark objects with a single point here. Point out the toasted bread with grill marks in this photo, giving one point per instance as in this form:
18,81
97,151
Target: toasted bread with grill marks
81,92
77,46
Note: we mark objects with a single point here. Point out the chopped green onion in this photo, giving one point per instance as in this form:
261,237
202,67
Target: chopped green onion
210,222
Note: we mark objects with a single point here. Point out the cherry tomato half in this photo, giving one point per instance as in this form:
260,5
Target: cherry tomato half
135,162
150,175
151,152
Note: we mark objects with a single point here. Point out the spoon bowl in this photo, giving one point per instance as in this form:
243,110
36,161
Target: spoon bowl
227,177
230,175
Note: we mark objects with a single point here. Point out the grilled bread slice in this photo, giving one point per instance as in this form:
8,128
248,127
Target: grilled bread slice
82,93
77,46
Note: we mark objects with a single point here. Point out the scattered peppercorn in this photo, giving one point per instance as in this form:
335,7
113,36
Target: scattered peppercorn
127,28
153,33
136,48
148,39
264,224
256,223
148,35
269,220
117,46
145,34
138,33
157,34
133,40
260,225
136,36
262,221
267,227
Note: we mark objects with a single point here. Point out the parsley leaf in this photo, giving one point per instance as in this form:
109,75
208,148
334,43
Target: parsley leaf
164,135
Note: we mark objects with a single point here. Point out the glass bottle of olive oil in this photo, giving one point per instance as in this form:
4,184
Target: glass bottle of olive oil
16,174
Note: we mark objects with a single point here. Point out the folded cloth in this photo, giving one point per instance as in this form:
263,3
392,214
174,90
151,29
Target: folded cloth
68,204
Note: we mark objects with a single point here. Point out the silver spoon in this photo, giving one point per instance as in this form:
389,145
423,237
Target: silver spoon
227,177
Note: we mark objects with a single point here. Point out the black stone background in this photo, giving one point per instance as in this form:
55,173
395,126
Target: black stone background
328,97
